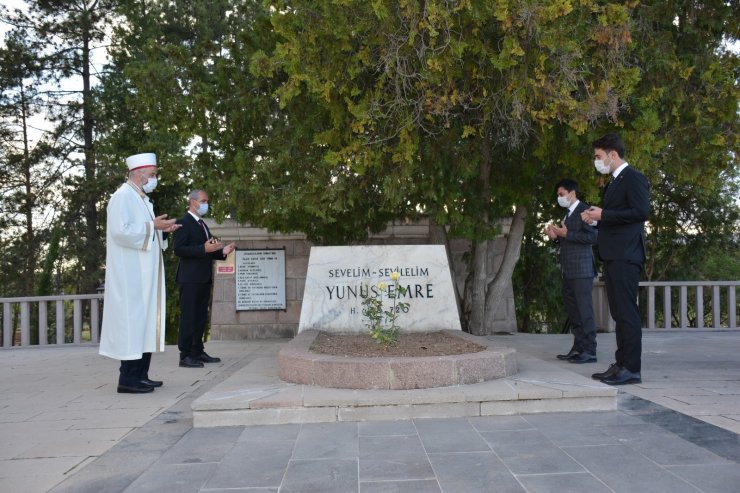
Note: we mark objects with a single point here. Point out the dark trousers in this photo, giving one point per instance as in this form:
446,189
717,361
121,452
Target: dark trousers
622,279
135,370
580,311
194,300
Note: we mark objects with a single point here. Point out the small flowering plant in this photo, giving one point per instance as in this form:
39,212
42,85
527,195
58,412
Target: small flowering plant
382,322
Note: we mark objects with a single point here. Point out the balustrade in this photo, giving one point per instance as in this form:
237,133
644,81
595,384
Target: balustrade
677,304
75,320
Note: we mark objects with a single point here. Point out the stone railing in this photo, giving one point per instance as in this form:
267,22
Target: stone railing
44,320
75,319
677,304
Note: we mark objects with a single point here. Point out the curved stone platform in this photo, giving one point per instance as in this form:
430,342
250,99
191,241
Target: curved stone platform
297,364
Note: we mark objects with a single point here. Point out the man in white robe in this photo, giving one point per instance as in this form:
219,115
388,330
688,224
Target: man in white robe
134,302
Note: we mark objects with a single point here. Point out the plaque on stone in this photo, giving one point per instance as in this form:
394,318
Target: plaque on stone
338,279
260,280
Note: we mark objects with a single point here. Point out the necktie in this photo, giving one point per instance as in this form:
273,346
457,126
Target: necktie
205,230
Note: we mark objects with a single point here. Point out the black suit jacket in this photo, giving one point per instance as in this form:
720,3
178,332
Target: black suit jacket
625,207
195,266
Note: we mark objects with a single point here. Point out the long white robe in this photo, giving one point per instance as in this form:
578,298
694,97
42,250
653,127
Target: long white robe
134,302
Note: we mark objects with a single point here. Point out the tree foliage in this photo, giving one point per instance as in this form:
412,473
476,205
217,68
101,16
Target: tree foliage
681,127
29,167
334,117
435,106
65,35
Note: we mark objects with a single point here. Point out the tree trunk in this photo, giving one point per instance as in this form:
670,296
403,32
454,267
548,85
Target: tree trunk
93,257
480,250
478,295
30,271
438,236
495,289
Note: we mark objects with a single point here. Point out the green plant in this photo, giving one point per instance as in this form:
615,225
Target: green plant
382,323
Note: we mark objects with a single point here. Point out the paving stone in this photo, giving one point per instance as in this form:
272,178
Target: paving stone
440,395
393,458
624,470
111,473
322,397
252,465
662,447
172,478
534,406
529,452
446,410
454,435
38,474
499,423
493,390
410,486
290,397
76,443
550,420
571,482
325,476
727,422
386,428
202,445
271,416
327,441
473,472
712,478
269,433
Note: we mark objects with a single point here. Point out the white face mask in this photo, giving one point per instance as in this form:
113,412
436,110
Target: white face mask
563,201
150,185
602,167
202,209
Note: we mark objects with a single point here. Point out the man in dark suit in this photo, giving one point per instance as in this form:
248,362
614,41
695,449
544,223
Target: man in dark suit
197,250
578,270
621,224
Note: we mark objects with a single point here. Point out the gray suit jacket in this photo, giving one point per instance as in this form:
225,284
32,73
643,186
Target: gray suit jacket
576,253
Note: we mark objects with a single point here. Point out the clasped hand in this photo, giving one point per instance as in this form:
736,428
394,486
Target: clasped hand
554,232
217,245
166,225
591,215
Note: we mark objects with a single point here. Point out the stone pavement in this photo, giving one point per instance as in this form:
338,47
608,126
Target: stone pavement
64,429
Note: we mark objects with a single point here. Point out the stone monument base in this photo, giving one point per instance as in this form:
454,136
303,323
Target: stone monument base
297,364
254,395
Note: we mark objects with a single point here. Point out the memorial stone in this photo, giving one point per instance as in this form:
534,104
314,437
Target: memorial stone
339,278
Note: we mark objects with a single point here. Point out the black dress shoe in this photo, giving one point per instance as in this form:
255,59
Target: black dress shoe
623,377
570,354
134,389
190,362
151,383
207,359
611,371
583,358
